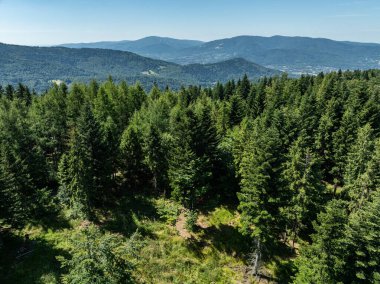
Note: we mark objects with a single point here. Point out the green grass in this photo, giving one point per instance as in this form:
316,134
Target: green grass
168,258
40,265
214,254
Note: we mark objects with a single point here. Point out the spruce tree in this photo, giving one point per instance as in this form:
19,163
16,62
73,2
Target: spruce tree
23,169
261,189
156,159
189,174
237,111
358,180
326,259
244,87
48,115
131,162
84,173
364,242
183,176
98,257
302,176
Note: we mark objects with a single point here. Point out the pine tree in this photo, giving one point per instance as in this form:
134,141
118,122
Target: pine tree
257,102
156,159
328,124
15,189
305,190
358,180
23,93
75,101
218,92
84,173
261,188
9,92
48,115
326,259
237,111
342,140
364,242
131,162
183,170
244,88
22,167
189,174
229,89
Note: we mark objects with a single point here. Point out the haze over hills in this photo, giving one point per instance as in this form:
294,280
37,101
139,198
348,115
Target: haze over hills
153,46
294,55
182,62
37,67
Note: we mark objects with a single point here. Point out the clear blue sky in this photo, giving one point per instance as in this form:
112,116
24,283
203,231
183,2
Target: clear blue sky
45,22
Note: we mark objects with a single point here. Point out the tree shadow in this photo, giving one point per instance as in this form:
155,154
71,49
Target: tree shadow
263,278
33,261
128,215
280,250
228,239
223,238
196,246
52,220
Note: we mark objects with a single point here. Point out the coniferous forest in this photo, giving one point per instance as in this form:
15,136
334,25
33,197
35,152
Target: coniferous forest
272,180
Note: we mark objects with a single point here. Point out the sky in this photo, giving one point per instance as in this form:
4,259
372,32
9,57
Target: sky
49,22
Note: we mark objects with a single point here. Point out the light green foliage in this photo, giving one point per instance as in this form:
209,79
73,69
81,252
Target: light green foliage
222,216
208,257
98,258
168,210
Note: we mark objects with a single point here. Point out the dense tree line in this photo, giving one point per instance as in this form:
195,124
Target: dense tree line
300,158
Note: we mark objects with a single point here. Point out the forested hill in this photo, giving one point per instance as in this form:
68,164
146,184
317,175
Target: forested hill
37,67
276,179
294,55
153,46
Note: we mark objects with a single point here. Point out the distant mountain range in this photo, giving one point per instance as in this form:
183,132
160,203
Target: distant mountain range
38,67
177,62
155,47
294,55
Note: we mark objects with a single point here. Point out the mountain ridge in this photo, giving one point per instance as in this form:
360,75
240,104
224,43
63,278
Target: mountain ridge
294,55
38,66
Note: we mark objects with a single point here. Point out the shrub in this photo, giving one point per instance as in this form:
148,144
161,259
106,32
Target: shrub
168,210
98,258
191,220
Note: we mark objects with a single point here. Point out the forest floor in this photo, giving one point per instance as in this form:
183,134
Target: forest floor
214,253
180,225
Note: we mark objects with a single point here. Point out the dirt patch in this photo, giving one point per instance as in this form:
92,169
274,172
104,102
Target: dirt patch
181,226
202,222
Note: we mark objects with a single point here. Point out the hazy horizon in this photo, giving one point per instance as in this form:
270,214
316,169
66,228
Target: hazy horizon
46,23
195,39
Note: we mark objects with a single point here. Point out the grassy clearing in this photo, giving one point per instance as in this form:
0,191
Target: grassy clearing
213,254
208,256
